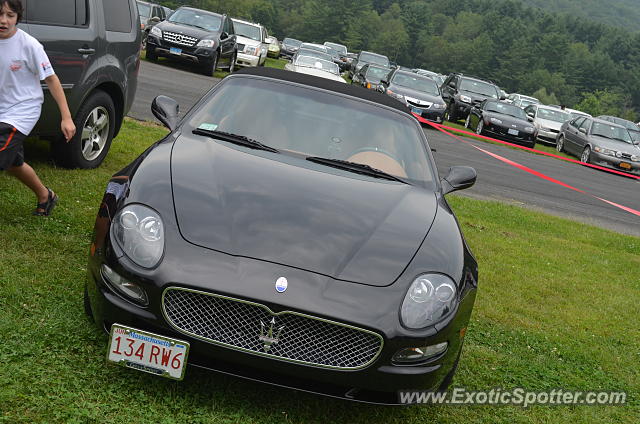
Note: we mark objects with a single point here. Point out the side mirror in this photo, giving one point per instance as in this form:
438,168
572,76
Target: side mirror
155,19
452,84
530,114
529,118
503,97
458,178
384,82
582,130
380,89
166,110
224,35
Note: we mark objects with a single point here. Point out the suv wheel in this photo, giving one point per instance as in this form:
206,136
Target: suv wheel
208,68
95,124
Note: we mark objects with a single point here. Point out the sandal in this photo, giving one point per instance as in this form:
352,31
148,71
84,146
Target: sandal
45,208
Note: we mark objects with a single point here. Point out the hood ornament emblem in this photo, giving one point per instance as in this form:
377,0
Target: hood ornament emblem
281,285
267,335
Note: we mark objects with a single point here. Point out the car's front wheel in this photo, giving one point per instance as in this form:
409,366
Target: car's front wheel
95,124
208,68
480,127
586,155
560,143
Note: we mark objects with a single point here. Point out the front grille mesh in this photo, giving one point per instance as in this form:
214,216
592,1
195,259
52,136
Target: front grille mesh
181,39
239,325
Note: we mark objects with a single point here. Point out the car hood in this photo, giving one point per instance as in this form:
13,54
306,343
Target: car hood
296,213
475,97
547,123
617,145
318,73
509,121
247,41
185,29
413,95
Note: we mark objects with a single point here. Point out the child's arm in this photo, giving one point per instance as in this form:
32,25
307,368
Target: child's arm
56,90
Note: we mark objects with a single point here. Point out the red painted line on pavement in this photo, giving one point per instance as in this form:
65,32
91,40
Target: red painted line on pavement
532,171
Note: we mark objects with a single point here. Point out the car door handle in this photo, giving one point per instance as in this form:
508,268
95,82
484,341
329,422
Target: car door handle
84,50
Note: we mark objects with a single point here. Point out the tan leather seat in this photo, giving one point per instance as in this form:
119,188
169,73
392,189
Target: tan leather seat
379,161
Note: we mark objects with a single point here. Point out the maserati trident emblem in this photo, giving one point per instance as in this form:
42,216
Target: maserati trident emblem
267,335
281,284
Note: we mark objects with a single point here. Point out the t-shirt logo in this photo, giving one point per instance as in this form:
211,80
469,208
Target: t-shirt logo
45,66
16,65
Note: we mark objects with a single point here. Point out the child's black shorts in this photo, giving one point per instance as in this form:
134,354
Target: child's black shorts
11,146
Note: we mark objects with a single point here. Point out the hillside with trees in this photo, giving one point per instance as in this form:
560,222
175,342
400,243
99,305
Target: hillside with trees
559,58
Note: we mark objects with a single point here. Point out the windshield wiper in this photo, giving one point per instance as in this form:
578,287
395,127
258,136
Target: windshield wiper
235,138
355,167
604,136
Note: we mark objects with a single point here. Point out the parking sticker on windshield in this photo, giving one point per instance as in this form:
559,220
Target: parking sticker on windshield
209,127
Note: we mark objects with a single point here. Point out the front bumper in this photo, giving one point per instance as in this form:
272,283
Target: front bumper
187,53
310,294
502,134
247,60
619,164
431,114
549,137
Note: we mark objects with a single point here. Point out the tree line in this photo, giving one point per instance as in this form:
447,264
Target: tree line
558,58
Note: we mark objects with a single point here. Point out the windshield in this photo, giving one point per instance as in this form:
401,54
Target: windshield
479,87
301,122
526,102
505,109
611,131
312,62
553,115
314,53
374,58
196,18
309,46
627,124
144,10
339,47
292,42
426,85
376,74
249,31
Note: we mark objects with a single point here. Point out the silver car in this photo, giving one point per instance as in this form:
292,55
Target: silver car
547,120
601,143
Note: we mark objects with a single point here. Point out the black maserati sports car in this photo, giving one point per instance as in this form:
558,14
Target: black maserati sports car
289,229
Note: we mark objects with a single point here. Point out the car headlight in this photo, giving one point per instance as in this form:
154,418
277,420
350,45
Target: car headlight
439,105
395,95
529,129
430,298
206,43
495,121
635,158
607,152
254,51
156,31
465,99
139,232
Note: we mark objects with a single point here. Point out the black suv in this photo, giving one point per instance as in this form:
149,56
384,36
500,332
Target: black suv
197,36
462,92
95,51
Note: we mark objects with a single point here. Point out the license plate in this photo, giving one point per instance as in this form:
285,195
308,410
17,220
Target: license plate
148,352
416,110
175,50
625,165
512,131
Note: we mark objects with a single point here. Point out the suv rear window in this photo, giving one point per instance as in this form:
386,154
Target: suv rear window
117,15
57,12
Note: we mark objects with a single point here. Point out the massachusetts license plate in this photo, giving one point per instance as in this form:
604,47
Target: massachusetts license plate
625,165
148,352
416,110
175,50
512,131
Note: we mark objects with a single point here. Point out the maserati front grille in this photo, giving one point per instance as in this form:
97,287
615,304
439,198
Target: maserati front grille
253,327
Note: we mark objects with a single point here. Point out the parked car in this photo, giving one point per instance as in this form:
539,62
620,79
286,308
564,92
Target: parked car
438,78
314,66
369,76
150,15
418,92
274,47
365,57
314,46
340,48
547,121
94,50
503,121
289,47
338,58
252,46
313,53
574,113
462,92
272,273
600,142
196,36
633,128
521,100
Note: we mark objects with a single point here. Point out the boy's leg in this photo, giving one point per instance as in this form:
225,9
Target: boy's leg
28,177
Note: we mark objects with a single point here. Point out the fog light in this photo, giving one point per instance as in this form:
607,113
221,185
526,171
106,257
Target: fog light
128,289
418,354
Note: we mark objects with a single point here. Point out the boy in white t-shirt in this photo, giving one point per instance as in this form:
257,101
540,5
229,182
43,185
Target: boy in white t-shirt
23,64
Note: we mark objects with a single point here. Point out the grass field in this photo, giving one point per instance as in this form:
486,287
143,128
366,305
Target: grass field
557,307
